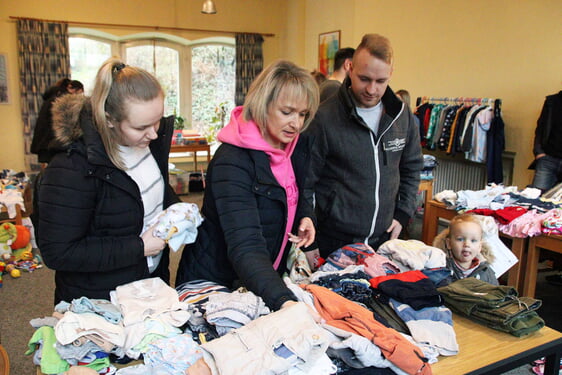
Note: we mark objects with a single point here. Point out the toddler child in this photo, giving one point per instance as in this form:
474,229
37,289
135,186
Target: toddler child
468,254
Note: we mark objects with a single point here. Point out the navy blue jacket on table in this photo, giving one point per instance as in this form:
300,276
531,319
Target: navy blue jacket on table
361,180
245,211
91,213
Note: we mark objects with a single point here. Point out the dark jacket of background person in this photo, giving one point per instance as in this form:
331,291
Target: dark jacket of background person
253,225
548,134
95,225
351,184
43,134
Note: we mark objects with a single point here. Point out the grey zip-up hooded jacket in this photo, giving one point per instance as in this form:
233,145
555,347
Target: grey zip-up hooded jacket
359,180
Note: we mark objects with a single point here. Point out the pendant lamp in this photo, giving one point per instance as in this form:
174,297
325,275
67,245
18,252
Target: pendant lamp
209,7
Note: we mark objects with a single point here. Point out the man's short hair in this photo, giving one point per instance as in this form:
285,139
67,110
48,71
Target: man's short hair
378,46
341,55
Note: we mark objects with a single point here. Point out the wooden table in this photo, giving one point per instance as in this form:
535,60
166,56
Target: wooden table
193,148
427,187
435,210
483,350
552,243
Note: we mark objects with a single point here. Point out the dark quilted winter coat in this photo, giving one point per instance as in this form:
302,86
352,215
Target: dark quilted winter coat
245,211
90,212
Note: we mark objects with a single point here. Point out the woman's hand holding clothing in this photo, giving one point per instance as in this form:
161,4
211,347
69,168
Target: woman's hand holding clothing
152,245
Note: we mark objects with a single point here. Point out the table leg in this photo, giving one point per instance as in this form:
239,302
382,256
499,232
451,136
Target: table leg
430,224
552,364
428,195
195,161
514,274
531,269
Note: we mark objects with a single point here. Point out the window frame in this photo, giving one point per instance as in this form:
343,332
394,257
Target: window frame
119,46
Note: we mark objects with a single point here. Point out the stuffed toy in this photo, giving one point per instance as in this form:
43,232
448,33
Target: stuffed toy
8,234
16,251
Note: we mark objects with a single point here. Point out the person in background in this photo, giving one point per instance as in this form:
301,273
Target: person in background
547,146
404,95
468,255
108,180
43,135
342,63
318,76
253,208
366,156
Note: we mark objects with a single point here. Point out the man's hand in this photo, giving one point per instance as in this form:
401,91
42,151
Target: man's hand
394,229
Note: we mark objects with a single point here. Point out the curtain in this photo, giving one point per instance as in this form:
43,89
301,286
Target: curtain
43,58
249,63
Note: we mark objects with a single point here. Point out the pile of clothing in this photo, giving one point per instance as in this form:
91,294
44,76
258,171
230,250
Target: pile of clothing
381,312
519,214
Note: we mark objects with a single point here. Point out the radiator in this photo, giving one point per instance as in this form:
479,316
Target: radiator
458,175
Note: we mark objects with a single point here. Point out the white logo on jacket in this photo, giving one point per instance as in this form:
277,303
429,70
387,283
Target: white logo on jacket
394,145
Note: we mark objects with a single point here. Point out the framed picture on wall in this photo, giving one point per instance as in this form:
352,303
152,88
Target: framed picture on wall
328,44
4,97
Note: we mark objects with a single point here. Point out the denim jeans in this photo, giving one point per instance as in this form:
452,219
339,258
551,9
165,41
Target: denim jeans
548,172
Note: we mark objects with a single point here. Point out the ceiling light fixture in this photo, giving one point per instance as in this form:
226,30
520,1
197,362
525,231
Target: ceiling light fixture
209,7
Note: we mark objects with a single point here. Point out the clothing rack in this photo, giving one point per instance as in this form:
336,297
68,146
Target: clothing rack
458,100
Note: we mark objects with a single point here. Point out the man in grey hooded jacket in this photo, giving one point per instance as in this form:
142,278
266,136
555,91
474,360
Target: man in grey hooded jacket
366,155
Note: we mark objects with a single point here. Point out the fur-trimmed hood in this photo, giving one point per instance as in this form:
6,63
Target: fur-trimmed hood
66,118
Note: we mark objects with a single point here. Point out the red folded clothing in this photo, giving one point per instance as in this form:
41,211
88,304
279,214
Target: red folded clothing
503,216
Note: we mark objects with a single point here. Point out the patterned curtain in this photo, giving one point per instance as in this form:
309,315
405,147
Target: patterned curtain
249,63
43,59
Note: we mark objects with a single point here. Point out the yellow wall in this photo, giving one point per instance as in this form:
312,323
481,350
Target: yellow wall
481,48
232,15
495,48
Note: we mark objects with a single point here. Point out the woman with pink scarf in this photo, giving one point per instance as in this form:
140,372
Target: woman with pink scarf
253,208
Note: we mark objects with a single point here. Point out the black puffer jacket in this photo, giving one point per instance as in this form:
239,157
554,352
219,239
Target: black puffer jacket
245,212
90,212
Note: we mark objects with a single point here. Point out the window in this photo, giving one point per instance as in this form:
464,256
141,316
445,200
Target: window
164,63
198,77
86,56
213,75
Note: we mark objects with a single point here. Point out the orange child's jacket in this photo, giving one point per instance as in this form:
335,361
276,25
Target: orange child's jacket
347,315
